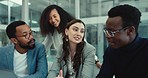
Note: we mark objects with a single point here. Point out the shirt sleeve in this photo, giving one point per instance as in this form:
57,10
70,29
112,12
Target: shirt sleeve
88,62
106,68
41,69
47,42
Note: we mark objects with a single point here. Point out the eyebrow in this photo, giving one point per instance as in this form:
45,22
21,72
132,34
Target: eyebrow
26,31
75,26
78,28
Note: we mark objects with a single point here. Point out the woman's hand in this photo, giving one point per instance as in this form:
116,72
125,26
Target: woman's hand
60,74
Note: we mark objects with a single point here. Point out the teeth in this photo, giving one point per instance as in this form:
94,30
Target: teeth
77,38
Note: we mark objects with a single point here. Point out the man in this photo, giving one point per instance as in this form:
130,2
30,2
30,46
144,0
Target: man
25,58
126,56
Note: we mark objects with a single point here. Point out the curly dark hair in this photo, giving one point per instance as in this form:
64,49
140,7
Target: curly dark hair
79,49
130,15
46,27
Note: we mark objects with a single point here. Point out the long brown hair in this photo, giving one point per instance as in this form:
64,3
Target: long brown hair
79,49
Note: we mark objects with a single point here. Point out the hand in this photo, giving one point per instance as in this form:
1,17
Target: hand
98,64
60,74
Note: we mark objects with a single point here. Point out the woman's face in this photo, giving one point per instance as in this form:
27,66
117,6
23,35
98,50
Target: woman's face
75,33
54,18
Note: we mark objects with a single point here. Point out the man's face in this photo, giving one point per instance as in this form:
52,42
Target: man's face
24,37
119,37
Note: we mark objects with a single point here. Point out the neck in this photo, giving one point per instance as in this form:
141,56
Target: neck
72,47
132,38
58,29
72,50
21,50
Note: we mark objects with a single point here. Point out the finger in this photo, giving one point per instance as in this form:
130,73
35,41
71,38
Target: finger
61,73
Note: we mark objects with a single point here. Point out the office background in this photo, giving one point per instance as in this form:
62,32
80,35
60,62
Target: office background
92,12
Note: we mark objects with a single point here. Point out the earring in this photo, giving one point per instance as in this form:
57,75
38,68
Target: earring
66,38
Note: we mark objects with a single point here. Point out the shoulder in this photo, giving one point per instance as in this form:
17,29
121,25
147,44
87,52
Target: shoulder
143,43
144,40
59,51
88,48
39,48
39,45
6,47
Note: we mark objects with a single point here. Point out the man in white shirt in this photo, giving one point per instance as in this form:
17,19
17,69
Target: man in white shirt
25,57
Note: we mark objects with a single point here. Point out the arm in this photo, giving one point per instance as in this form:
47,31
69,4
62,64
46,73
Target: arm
98,64
89,63
54,71
106,70
47,42
40,63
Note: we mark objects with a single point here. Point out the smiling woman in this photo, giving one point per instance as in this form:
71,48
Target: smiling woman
52,24
75,56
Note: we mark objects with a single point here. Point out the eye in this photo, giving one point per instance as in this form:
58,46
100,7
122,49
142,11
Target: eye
82,31
54,16
25,34
75,29
30,33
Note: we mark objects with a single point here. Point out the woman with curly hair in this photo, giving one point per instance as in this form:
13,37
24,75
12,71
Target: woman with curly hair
52,24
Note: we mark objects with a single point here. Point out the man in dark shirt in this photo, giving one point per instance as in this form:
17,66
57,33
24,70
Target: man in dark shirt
126,56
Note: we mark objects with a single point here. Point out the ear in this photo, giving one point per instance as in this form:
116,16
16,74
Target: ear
131,30
14,40
66,31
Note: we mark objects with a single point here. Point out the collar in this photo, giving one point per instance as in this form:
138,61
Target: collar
132,45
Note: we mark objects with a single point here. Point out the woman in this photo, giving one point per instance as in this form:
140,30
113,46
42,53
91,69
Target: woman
52,24
76,57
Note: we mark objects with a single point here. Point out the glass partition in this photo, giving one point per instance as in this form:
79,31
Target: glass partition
3,12
15,11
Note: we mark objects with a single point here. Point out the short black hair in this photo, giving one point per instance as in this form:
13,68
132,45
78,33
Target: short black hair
130,15
11,28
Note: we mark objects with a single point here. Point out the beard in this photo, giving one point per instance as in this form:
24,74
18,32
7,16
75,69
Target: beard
30,45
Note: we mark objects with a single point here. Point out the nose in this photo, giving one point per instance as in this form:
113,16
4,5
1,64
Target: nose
30,37
107,36
79,34
52,20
